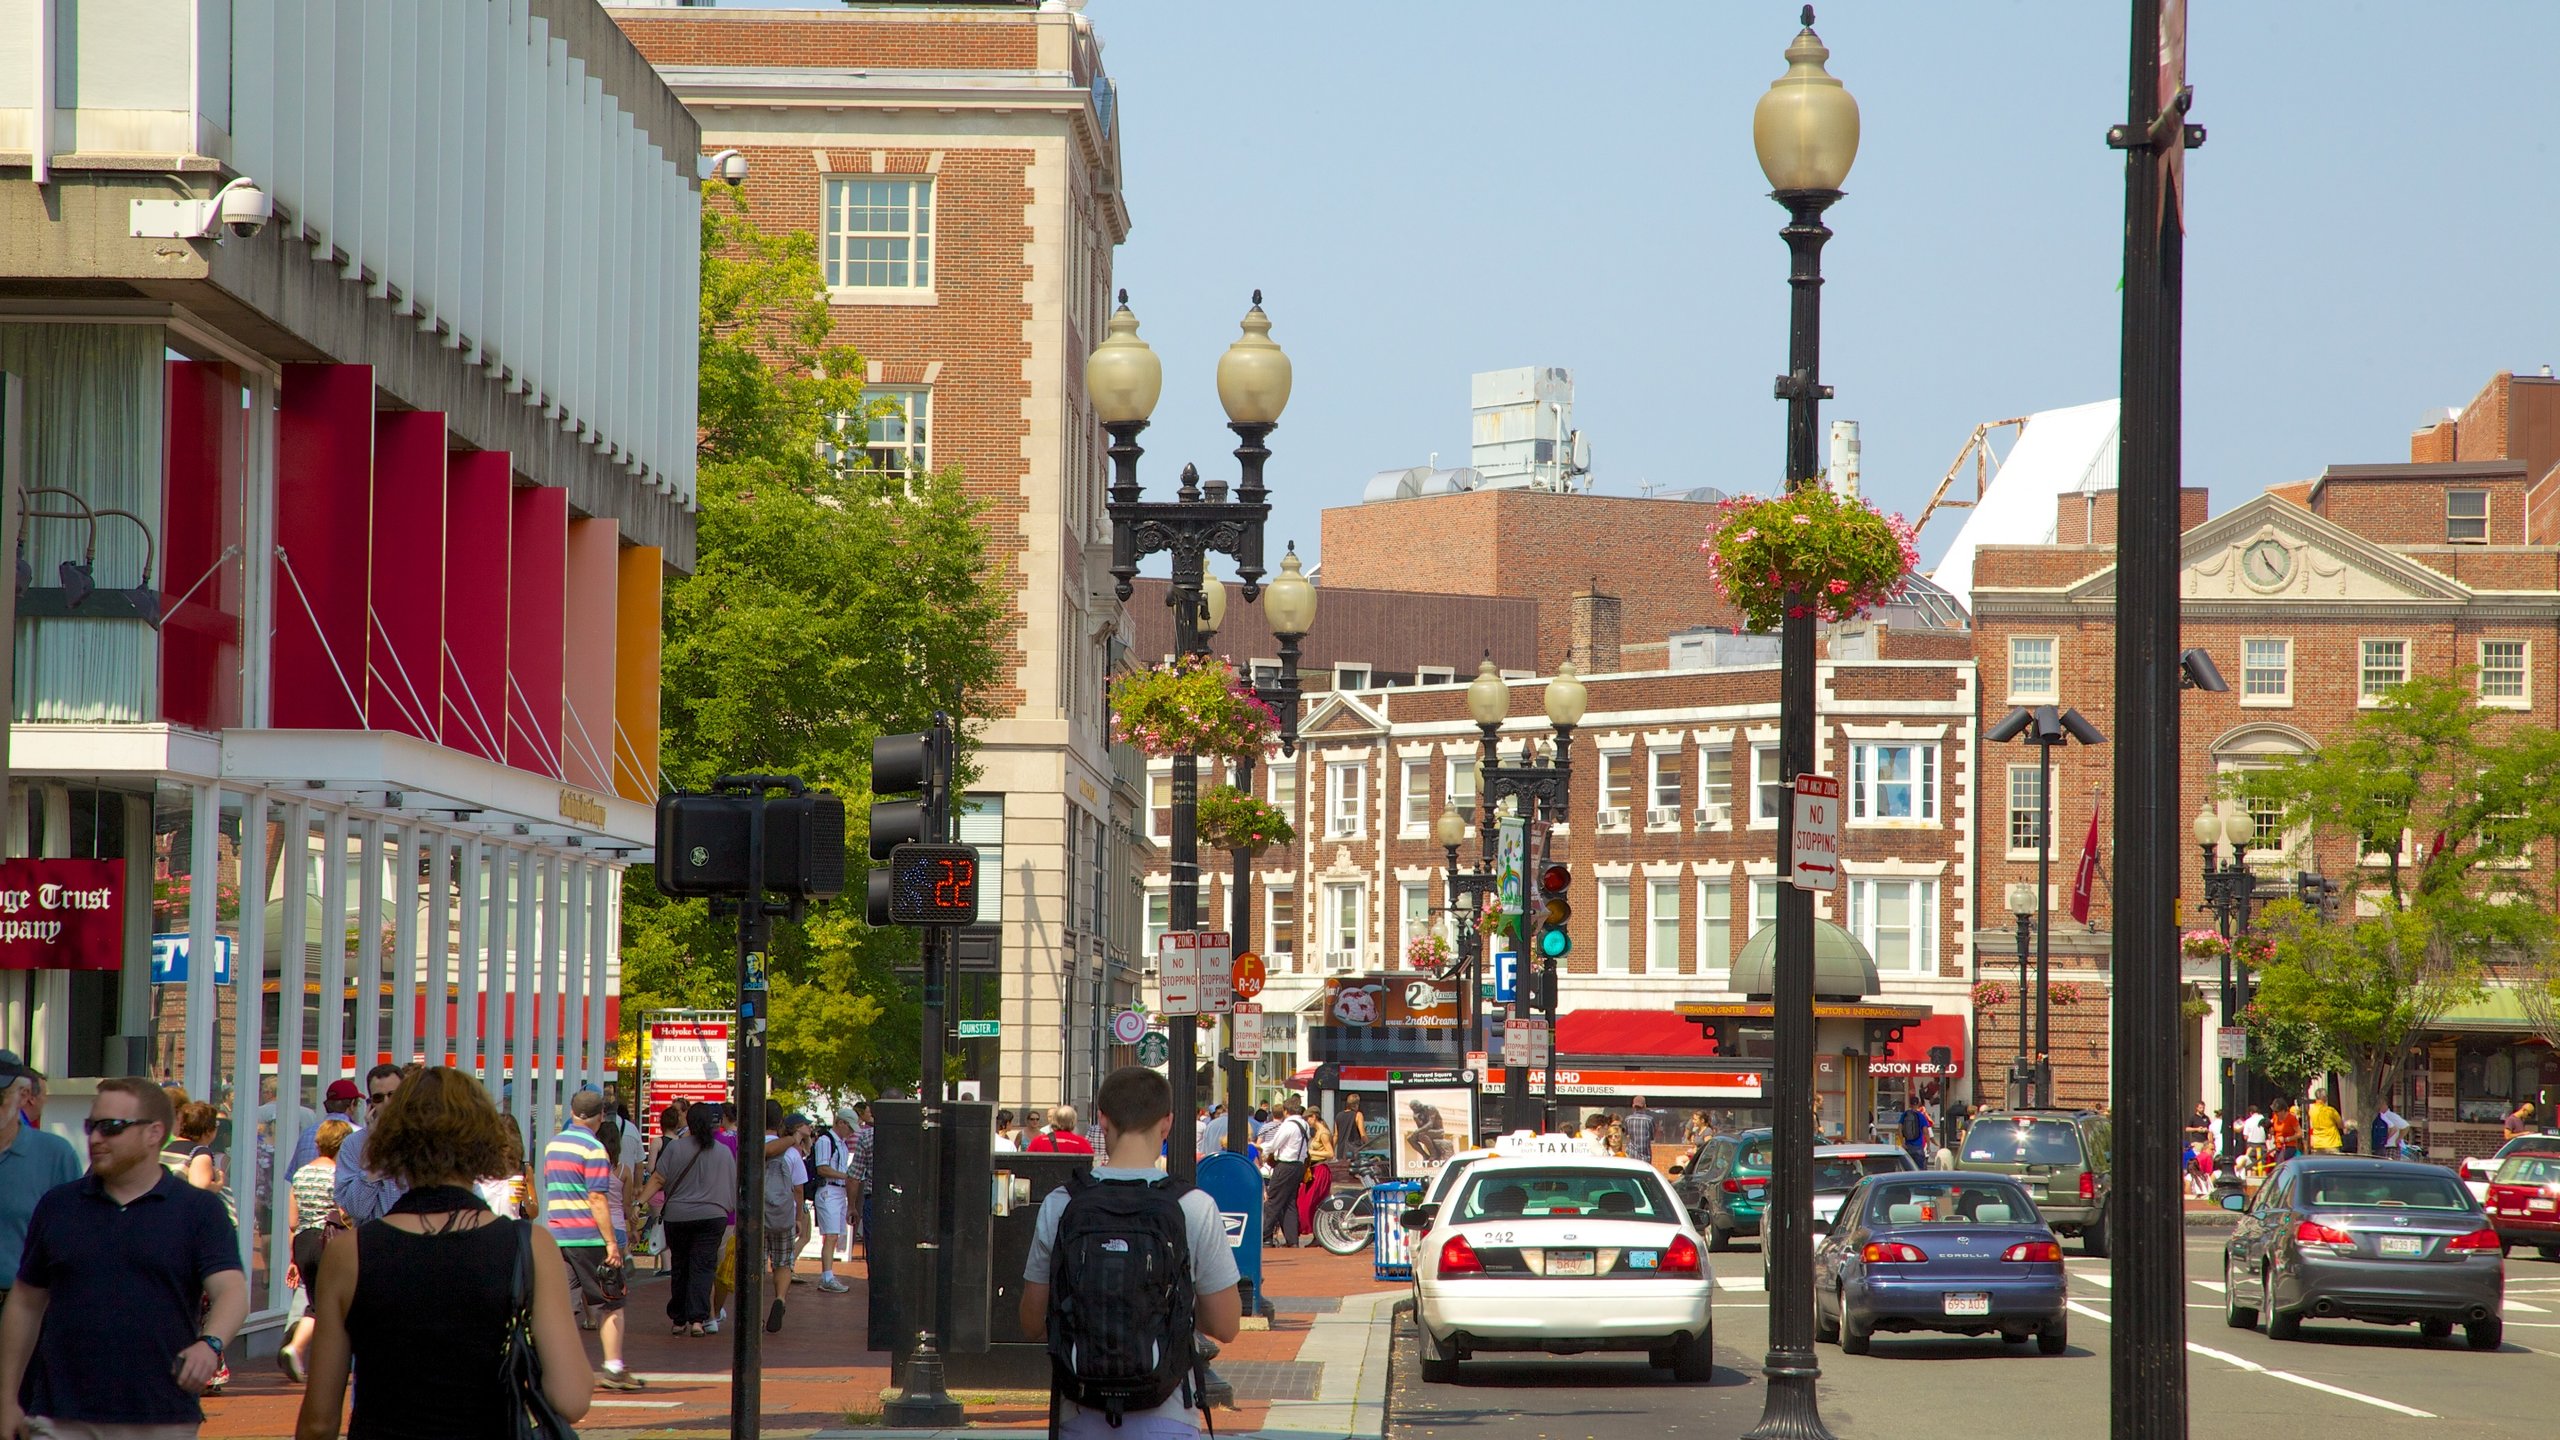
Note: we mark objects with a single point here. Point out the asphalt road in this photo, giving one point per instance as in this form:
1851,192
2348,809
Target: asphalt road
2341,1380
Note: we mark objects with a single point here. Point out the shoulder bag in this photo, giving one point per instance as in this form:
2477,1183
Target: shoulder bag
527,1407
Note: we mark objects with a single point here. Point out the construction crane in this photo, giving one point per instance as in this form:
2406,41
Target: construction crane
1977,448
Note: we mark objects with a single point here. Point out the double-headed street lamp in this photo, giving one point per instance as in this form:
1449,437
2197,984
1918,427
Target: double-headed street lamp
2044,727
1805,130
1542,791
2230,888
1289,602
2026,903
1123,378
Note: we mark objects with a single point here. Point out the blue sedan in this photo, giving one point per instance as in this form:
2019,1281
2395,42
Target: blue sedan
1940,1250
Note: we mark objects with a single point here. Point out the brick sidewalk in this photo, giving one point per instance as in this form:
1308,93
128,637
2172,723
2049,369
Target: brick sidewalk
819,1375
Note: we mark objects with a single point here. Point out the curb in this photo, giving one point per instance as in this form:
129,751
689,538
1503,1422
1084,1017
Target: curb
1353,1345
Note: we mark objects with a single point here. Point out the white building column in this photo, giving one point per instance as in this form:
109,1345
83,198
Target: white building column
438,951
332,1046
466,960
293,971
204,1005
368,967
573,972
407,963
525,963
603,885
546,1001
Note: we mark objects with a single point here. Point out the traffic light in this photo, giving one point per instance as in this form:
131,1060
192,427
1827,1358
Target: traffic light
702,844
927,880
1553,940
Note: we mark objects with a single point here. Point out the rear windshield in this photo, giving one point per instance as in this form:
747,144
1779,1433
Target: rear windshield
1841,1172
1945,1202
1450,1172
2530,1170
2529,1142
1565,1190
2024,1142
2378,1190
1754,1156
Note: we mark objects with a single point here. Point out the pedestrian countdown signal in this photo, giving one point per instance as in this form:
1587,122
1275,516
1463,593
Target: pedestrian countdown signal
932,884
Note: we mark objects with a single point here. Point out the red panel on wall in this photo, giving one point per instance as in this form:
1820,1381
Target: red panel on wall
479,485
324,523
401,689
200,532
537,620
586,738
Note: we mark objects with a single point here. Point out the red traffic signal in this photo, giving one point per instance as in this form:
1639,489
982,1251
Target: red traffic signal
1553,880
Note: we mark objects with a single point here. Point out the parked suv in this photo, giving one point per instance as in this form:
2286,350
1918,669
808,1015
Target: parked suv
1727,1186
2062,1157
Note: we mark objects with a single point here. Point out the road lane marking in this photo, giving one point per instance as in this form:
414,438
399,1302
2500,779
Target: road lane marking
2103,1282
1743,1285
2287,1376
2216,1286
2515,1304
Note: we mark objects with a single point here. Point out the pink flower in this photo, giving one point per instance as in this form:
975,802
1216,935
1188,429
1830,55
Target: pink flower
1802,519
1749,535
1839,587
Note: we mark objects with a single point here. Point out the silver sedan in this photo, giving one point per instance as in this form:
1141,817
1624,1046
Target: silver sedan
2386,1242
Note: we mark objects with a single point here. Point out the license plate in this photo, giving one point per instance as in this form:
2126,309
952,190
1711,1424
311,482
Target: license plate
2542,1204
1969,1304
1568,1262
2403,1245
1644,1259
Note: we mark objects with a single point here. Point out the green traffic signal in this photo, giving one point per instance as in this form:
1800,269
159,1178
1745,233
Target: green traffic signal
1554,944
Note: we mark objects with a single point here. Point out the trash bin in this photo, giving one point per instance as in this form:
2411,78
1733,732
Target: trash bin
1391,1250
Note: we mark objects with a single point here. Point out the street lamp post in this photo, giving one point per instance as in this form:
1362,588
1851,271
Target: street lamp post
1289,602
1467,890
2044,727
1123,377
1542,790
1805,130
2025,904
2229,889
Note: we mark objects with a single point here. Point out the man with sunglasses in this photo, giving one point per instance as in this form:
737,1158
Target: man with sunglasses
31,1162
362,1196
129,1290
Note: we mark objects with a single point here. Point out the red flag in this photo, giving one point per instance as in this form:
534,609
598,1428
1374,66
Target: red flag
2085,880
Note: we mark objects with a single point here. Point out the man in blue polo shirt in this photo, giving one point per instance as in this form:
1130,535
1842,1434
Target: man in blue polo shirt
31,1162
129,1290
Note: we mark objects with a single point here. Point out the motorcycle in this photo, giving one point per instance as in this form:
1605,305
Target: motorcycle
1347,1220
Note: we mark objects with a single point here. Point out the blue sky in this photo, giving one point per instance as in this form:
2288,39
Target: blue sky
1424,189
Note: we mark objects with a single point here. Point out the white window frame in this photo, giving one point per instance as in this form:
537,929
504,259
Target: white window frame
1653,777
1662,923
1413,920
1867,792
1923,894
1283,789
2451,519
1149,931
1765,751
1607,962
1164,776
1617,769
897,430
1464,798
1414,819
2266,700
1271,945
1342,676
1712,958
2050,691
1762,884
2368,695
2031,777
1434,675
1341,898
1340,796
1708,793
836,195
2523,698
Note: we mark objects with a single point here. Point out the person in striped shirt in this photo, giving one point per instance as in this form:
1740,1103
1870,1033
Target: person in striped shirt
577,1182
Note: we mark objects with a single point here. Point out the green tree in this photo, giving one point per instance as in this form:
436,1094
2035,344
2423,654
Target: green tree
2466,793
830,603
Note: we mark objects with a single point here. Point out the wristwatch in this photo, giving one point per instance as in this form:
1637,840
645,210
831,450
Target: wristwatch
211,1344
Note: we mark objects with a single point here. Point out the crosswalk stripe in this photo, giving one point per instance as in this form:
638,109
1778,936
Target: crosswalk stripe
2515,1304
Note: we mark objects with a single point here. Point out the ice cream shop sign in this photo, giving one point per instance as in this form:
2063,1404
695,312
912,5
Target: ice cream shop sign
61,914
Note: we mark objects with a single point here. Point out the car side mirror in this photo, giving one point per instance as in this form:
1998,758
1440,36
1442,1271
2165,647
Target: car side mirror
1418,1218
2235,1202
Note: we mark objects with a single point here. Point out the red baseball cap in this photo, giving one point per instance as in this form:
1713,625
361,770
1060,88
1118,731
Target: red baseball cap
345,1090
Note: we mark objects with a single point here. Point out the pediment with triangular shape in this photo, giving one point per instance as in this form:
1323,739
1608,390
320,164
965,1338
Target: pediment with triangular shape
2275,552
1341,714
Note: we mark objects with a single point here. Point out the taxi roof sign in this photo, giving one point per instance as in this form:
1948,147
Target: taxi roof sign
1530,1142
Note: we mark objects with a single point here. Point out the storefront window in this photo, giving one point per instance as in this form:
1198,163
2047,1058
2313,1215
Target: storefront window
2494,1074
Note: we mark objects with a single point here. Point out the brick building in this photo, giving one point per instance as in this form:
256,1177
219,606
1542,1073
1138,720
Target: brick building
2313,599
959,166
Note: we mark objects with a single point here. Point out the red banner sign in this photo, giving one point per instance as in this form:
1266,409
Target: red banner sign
61,914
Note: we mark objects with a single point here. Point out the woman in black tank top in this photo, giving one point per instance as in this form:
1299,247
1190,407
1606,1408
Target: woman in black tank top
417,1304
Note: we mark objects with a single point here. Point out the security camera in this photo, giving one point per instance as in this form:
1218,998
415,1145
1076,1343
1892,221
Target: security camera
243,209
728,167
2197,672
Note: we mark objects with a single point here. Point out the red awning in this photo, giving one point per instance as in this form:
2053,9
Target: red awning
1663,1033
1908,1058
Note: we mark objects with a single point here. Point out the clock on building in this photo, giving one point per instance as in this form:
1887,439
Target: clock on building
2267,564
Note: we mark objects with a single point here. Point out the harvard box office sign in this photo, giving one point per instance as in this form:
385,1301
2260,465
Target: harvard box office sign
61,914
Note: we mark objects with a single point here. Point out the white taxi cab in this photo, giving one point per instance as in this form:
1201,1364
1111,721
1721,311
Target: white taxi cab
1549,1247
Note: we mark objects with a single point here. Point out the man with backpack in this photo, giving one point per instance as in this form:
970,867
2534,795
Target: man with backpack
1126,1265
1915,1134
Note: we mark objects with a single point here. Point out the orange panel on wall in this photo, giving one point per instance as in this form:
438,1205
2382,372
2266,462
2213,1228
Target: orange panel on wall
639,580
586,740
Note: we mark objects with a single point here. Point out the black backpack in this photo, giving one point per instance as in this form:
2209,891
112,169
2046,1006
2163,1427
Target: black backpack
1122,1303
1914,1126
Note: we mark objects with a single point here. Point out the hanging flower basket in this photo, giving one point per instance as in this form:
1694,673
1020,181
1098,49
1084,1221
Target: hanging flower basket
2253,950
1838,557
1230,819
1988,994
2063,992
1428,952
1195,706
2200,945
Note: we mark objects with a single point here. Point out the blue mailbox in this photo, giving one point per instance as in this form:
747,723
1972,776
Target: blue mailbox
1236,1184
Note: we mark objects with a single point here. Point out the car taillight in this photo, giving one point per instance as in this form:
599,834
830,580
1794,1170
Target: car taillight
1457,1258
2477,1240
1892,1252
2312,1232
2088,1185
1681,1258
2034,1252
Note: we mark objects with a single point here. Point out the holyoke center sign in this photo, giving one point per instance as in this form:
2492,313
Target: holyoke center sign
61,914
